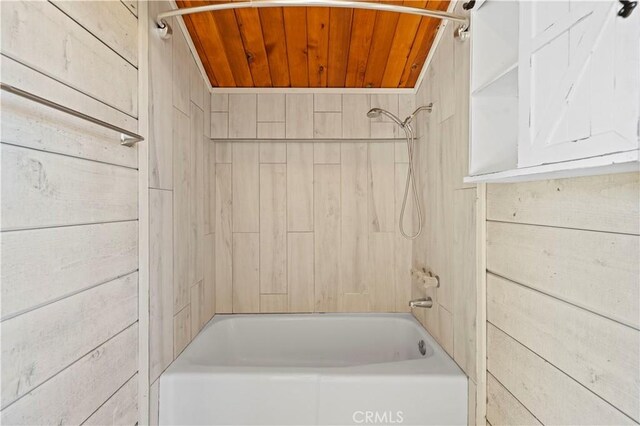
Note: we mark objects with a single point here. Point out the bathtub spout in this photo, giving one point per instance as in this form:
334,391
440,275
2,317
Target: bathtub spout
421,303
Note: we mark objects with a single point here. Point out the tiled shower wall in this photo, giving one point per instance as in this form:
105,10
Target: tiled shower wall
304,225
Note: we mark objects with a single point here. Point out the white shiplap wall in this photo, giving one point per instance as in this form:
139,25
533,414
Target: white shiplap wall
69,215
563,301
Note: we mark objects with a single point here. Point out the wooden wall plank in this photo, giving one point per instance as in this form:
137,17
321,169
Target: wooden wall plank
549,394
160,281
224,239
295,26
299,116
254,46
43,265
25,78
594,270
209,277
30,125
110,22
300,275
273,303
503,408
120,409
73,395
246,274
299,187
41,189
30,350
609,203
181,90
197,308
326,236
43,37
246,187
318,45
196,195
602,355
273,228
272,20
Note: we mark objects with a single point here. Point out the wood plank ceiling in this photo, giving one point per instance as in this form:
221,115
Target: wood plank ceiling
313,46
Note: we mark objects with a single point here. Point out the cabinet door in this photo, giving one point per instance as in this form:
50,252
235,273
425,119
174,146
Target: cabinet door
579,81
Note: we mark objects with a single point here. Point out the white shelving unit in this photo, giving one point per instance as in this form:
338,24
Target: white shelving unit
546,99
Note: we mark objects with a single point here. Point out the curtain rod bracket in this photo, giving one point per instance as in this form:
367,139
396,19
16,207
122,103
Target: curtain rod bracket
164,29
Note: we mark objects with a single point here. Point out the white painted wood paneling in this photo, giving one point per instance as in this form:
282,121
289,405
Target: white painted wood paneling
609,203
42,189
595,270
355,123
602,355
271,107
44,38
273,152
30,125
273,303
30,350
327,102
503,408
180,86
40,266
120,409
556,398
381,271
73,395
327,125
381,187
110,22
25,78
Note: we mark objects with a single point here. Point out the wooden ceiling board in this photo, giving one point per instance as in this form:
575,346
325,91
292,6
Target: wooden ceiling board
254,46
272,23
339,38
295,27
313,46
401,46
318,45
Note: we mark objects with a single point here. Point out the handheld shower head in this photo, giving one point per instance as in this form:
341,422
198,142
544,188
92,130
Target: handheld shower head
374,113
377,112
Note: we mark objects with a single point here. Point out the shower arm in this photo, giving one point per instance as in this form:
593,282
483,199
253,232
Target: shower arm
410,118
461,31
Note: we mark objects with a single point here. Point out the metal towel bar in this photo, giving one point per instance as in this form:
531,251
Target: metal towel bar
127,138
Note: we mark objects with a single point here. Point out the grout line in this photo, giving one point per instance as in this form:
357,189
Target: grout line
37,228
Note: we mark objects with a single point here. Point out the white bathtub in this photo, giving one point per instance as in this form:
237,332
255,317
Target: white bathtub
321,369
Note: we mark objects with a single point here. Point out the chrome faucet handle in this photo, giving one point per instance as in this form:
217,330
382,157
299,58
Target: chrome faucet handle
426,302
